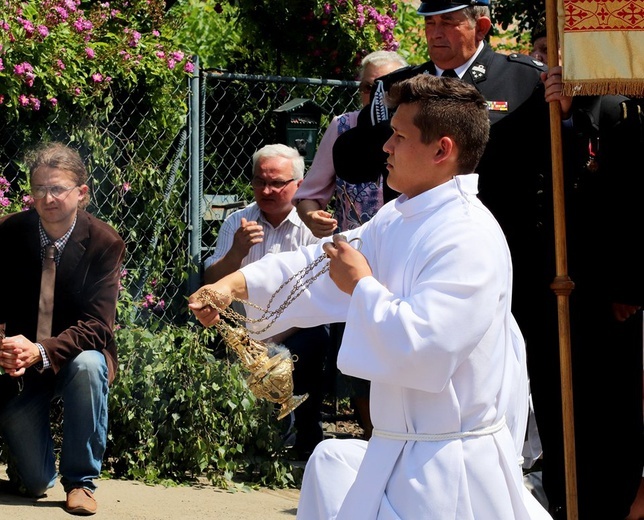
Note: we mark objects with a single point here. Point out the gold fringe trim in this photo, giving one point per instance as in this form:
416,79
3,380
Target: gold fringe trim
625,87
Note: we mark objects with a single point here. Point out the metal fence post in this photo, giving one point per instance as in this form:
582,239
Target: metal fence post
195,171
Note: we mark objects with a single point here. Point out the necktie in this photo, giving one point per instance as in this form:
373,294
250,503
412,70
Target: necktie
47,282
449,73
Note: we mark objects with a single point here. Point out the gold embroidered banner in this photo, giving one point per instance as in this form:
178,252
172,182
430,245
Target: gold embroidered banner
602,46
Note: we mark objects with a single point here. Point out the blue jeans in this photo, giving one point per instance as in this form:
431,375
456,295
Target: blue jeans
25,425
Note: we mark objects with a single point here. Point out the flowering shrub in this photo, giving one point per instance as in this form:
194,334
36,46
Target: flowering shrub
55,54
320,38
12,200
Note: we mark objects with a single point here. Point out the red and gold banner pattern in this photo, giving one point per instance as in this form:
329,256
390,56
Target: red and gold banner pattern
602,46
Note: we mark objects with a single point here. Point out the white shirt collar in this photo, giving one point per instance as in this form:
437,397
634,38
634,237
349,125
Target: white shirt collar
461,70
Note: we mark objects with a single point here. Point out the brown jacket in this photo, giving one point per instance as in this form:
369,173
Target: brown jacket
87,286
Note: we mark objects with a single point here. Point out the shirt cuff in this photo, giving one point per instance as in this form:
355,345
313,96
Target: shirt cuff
44,364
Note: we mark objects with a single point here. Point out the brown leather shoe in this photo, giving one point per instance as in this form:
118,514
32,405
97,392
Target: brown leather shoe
80,501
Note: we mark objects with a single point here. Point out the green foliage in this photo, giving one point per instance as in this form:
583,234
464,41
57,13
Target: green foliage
178,413
208,30
56,55
13,200
410,32
323,38
518,15
307,38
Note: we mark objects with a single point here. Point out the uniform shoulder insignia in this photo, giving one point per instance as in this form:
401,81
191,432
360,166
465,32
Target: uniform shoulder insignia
527,60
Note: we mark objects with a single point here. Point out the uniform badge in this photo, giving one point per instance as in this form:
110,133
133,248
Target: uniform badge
478,72
497,106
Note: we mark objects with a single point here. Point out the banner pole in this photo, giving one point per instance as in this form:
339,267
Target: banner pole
562,285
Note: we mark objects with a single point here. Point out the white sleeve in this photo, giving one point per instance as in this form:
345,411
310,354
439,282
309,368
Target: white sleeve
305,304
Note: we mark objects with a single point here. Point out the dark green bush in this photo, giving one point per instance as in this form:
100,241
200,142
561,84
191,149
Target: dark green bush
177,413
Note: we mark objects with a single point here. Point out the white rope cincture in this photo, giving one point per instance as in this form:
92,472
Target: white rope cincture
437,437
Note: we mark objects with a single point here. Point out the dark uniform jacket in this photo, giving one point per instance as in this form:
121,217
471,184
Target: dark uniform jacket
87,286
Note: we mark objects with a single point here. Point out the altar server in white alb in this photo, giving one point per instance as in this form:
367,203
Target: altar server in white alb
425,294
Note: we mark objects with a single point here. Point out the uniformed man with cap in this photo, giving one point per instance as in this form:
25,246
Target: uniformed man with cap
516,185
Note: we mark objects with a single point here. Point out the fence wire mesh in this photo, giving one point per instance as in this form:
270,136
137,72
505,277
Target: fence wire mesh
142,173
239,116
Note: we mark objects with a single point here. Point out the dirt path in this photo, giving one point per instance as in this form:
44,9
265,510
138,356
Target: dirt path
119,500
131,500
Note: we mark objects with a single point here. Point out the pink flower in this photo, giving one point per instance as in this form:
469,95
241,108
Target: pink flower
28,27
171,64
27,202
77,91
1,64
29,79
23,100
90,52
189,67
134,40
149,301
156,33
43,31
126,187
35,103
53,101
61,12
97,77
178,55
1,99
60,64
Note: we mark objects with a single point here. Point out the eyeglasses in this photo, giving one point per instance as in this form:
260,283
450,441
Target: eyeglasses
365,87
38,192
260,184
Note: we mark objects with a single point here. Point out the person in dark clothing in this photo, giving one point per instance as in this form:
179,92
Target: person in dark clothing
74,356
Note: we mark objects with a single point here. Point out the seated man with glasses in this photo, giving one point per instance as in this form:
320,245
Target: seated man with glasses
57,312
270,225
57,192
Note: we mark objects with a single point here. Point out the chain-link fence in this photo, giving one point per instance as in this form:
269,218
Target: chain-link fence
238,114
167,181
